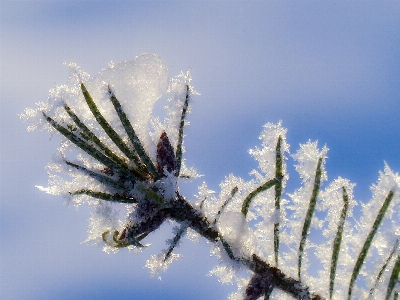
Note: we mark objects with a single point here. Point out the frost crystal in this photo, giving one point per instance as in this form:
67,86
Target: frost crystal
127,166
156,263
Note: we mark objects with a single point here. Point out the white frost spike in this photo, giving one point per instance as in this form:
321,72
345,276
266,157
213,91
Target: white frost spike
207,201
225,274
156,263
192,235
307,157
179,87
388,180
76,73
266,155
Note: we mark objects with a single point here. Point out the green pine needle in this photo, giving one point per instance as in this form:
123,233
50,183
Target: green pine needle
310,213
87,134
249,198
368,242
104,196
278,194
233,193
132,135
394,278
178,154
337,242
175,241
113,135
99,177
89,149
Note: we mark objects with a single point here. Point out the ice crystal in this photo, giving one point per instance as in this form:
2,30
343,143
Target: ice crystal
127,165
157,263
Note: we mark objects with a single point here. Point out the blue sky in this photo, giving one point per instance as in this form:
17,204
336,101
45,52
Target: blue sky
329,70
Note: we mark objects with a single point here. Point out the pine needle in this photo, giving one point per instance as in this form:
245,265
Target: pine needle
278,194
113,135
132,135
337,242
178,154
310,213
104,196
262,188
368,242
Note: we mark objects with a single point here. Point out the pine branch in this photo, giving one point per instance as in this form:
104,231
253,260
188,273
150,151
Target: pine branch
182,211
150,182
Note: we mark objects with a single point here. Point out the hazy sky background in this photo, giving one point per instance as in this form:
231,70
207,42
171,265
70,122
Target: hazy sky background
329,70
